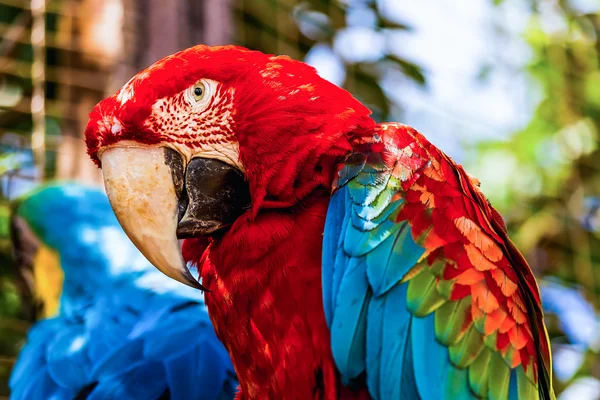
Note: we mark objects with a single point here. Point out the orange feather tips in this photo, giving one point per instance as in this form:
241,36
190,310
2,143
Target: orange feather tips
493,321
478,260
507,286
478,238
470,243
468,273
484,298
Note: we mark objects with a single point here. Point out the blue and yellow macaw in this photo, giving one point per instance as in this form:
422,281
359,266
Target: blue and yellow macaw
121,329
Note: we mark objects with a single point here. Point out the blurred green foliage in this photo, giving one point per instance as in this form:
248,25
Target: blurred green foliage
544,172
540,177
12,324
295,27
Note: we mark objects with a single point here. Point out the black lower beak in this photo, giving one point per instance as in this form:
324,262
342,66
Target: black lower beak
212,194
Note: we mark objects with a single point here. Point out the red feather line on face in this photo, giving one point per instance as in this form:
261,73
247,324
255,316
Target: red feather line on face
175,121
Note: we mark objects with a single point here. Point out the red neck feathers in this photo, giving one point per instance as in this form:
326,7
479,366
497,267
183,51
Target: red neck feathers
264,274
266,305
265,302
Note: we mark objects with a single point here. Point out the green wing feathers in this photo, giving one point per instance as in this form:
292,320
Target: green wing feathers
443,281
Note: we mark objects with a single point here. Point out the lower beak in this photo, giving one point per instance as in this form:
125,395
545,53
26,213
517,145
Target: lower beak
158,199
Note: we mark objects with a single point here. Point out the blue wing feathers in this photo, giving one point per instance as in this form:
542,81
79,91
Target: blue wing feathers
124,330
333,276
435,376
119,359
361,339
349,321
366,255
175,342
67,358
159,347
143,382
331,244
181,376
148,325
394,338
358,242
391,260
363,262
208,378
408,382
374,348
362,224
33,354
38,386
513,389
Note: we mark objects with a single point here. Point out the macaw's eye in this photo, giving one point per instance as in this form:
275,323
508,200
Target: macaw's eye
199,93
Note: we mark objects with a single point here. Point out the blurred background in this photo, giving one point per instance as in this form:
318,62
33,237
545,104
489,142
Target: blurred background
510,89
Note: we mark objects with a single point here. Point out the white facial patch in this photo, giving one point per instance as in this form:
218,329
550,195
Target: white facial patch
198,128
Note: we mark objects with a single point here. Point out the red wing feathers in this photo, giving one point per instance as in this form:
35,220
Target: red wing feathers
451,218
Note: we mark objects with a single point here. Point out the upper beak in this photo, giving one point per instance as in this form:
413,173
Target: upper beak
157,199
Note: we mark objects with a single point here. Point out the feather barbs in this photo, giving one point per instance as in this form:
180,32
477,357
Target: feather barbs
466,277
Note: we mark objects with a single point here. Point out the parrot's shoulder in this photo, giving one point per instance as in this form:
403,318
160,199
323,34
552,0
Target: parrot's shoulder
410,237
406,154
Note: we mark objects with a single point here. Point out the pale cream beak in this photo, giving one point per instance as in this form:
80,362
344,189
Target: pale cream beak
140,188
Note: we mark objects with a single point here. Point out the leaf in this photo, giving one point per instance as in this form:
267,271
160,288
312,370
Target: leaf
368,90
383,22
410,69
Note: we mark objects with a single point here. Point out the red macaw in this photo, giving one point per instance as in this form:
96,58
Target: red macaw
344,259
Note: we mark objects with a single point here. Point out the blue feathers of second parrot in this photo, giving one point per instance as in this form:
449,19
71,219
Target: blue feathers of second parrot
123,330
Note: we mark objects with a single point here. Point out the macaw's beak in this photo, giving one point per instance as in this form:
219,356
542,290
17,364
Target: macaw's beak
157,199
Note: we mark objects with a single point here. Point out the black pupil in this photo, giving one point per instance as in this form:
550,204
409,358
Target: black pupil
198,91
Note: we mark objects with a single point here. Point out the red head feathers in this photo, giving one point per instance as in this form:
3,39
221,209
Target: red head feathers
272,116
